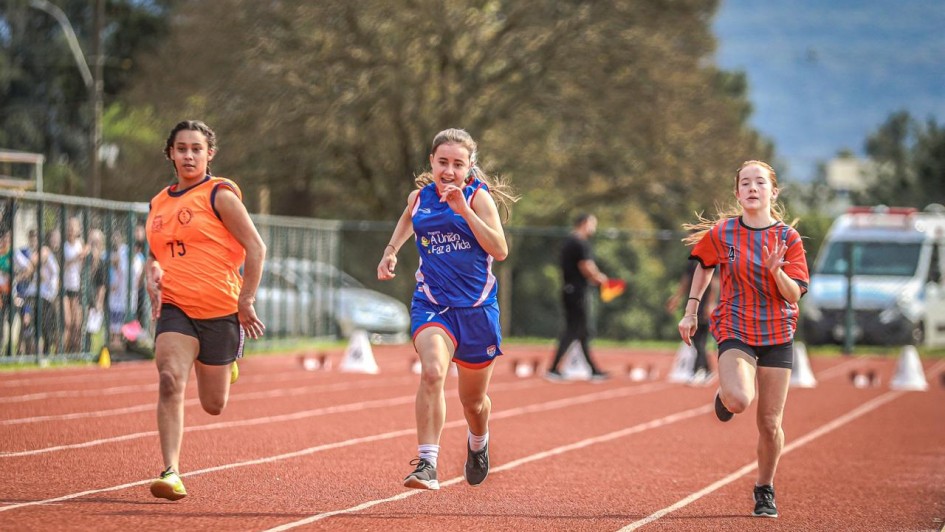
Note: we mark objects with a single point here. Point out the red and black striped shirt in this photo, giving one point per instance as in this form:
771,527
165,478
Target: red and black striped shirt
751,308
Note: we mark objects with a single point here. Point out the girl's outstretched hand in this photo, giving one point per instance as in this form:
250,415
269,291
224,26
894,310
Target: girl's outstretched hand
774,260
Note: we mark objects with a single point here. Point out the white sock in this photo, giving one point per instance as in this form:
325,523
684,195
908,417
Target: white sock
478,443
428,452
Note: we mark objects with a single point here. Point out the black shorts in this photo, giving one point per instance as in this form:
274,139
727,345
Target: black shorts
221,339
769,356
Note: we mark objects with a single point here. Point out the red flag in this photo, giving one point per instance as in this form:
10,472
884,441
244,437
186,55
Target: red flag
611,289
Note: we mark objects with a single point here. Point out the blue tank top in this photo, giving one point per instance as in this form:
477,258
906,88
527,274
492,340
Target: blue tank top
454,269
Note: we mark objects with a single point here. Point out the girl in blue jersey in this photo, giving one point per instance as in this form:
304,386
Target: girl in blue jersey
454,217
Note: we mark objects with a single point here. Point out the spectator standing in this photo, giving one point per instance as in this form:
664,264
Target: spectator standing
6,289
74,251
579,270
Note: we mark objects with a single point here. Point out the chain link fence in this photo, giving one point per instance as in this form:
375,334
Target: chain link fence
72,280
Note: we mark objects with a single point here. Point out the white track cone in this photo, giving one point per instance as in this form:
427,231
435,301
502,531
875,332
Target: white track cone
309,363
909,372
802,376
523,369
359,357
638,374
574,366
683,364
315,362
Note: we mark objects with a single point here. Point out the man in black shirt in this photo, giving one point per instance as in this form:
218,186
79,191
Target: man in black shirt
580,270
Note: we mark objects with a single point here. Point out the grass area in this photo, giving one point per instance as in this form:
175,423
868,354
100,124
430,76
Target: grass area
672,345
282,347
33,364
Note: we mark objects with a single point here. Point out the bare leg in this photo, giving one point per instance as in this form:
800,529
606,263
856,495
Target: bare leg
435,349
473,384
174,355
773,385
213,386
736,380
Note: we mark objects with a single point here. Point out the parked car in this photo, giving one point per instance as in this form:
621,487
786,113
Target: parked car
897,290
300,297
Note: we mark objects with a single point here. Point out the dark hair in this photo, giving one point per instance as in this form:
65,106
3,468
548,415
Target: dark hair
581,218
191,125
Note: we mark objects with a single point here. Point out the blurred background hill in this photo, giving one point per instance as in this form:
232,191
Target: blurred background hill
822,75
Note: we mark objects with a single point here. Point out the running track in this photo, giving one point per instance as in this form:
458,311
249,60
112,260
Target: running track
324,450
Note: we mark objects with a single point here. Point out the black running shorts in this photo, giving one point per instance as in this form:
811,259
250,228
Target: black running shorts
221,339
769,356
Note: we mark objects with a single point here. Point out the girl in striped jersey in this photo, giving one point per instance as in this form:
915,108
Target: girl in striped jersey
453,216
763,272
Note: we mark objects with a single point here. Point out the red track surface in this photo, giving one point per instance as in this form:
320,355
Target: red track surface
327,450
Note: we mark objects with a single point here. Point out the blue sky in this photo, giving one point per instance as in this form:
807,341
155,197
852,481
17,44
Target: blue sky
823,75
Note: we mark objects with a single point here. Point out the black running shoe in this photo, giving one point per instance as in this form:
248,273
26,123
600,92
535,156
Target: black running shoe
764,502
720,411
477,465
423,477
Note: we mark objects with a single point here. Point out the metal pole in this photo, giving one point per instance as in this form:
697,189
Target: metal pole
92,82
849,315
71,39
97,91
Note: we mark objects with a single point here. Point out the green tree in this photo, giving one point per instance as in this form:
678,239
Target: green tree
910,161
607,106
612,107
44,102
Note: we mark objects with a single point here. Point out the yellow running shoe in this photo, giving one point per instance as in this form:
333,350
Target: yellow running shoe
234,373
168,486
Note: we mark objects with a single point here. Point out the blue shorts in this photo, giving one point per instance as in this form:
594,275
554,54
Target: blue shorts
475,331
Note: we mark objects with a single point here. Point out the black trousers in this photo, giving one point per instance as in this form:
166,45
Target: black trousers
576,327
699,342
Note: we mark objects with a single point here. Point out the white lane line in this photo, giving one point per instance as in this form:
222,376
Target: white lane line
834,371
649,425
294,416
115,390
265,394
137,369
150,385
551,405
861,410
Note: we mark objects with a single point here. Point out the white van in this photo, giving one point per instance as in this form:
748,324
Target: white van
897,272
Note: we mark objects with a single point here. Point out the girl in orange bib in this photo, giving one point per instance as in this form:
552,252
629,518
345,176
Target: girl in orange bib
200,234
